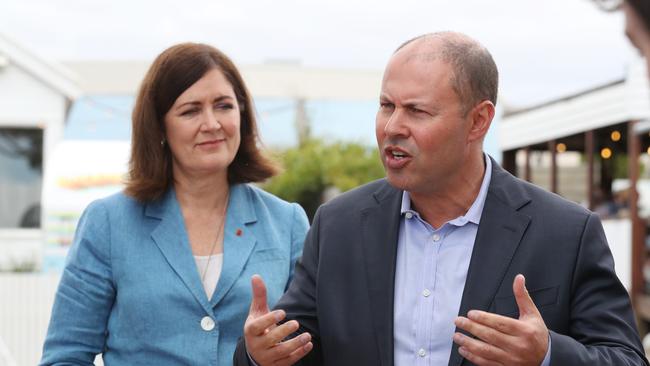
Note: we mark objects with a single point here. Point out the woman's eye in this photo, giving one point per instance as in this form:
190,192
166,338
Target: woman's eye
224,106
188,112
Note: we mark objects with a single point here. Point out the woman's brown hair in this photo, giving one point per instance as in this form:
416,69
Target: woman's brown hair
173,72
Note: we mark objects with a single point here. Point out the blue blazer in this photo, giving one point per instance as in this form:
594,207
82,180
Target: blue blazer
131,289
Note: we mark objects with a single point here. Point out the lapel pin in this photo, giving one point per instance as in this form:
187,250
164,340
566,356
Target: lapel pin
238,232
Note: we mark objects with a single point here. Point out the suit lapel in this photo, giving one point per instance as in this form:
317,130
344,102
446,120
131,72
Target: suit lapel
380,226
239,240
171,238
500,231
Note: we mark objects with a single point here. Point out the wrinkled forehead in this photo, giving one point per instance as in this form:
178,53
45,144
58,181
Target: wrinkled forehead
418,64
418,78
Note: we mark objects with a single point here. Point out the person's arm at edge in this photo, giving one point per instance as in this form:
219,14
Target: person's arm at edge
598,299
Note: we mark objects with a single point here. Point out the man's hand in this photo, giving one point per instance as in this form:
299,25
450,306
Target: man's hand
502,340
264,337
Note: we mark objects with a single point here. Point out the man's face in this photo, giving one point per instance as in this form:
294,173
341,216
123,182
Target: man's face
421,129
637,33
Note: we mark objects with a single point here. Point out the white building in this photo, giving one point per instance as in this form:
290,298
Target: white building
35,96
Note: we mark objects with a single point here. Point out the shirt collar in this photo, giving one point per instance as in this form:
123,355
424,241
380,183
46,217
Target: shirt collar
474,213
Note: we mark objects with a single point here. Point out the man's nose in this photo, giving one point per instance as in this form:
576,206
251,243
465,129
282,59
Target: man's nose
395,125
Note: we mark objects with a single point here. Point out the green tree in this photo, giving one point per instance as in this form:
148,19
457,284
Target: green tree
314,166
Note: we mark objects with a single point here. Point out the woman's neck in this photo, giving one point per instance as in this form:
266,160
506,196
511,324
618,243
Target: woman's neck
201,193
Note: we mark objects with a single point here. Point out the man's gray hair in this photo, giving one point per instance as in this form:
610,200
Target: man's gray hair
475,76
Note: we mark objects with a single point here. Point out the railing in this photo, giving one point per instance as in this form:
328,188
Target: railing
25,306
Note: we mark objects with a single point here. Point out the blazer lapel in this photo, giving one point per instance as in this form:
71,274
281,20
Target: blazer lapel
499,233
380,226
239,240
171,238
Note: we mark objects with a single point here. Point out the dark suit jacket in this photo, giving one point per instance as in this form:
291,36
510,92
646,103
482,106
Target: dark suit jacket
342,291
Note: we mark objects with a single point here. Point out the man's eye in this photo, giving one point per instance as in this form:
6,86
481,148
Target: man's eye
385,105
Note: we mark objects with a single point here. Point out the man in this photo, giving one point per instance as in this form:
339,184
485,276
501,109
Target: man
450,260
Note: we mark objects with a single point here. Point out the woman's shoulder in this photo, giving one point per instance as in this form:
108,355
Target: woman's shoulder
116,202
260,198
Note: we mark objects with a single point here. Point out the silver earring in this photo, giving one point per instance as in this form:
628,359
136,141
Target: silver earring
162,142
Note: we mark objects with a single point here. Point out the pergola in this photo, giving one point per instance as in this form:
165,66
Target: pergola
608,121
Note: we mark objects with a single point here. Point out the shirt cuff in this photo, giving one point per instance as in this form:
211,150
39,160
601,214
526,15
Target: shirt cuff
547,358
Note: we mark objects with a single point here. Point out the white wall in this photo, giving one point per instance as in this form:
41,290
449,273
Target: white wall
619,236
25,101
25,306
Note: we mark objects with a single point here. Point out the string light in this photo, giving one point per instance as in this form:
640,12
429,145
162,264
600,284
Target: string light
606,153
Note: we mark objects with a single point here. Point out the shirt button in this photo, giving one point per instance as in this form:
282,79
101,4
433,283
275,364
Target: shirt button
426,293
422,352
409,215
207,323
436,237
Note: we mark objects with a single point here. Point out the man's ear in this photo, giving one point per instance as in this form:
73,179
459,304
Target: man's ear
480,118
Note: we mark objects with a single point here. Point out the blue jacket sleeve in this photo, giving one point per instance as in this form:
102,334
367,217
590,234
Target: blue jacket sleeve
77,330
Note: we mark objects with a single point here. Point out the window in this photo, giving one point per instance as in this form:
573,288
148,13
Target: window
21,176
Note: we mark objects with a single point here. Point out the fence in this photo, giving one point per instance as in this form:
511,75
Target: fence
25,305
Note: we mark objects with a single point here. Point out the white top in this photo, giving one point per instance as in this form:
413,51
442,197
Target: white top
212,273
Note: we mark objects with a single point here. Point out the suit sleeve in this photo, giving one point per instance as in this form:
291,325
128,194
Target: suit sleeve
299,302
602,329
84,298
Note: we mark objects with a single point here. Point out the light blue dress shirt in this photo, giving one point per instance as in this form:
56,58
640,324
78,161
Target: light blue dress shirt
430,275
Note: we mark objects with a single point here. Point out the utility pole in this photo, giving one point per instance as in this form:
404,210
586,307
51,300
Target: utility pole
302,123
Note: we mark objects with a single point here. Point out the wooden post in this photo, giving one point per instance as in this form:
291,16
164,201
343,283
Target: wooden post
509,161
527,175
589,153
552,149
638,225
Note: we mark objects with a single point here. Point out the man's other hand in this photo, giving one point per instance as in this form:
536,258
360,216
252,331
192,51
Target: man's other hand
502,340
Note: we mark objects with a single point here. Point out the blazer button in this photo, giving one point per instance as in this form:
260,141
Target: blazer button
207,323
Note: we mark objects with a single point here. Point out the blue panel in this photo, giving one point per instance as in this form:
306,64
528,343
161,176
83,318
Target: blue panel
100,118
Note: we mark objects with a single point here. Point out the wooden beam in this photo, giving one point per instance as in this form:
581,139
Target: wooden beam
638,226
589,153
552,148
527,174
509,161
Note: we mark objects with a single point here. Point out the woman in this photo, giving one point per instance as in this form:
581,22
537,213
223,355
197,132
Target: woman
160,274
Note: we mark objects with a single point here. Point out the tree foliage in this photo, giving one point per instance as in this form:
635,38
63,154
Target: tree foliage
315,166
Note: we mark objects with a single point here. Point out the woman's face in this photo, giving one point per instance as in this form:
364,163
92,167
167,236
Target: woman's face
202,127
